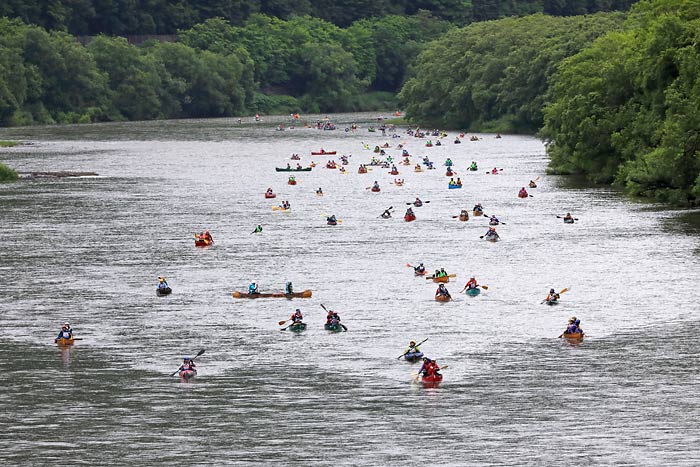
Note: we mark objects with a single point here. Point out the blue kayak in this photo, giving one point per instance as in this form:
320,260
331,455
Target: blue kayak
453,187
413,356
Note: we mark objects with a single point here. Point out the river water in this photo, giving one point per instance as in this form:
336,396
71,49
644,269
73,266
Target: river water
89,250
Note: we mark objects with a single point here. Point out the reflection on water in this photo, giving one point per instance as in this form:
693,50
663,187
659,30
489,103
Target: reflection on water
90,250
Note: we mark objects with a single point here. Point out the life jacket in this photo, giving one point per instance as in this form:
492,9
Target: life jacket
471,284
66,334
297,318
252,288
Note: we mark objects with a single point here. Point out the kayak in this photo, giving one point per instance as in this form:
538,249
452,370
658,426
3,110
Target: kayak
569,221
284,169
331,166
375,189
303,294
463,218
522,195
202,242
453,187
419,273
409,218
291,182
163,291
62,341
442,298
332,222
394,172
576,336
361,171
188,374
417,169
473,292
298,327
333,327
270,195
551,302
323,153
413,356
494,222
478,213
492,238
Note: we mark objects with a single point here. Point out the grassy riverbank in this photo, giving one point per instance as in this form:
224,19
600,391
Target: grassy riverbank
7,174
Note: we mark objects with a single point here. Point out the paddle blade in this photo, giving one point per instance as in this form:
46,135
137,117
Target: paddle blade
408,265
485,287
282,322
566,289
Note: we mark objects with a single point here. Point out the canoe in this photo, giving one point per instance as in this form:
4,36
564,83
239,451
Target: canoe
433,379
324,153
453,187
576,336
417,169
360,171
375,190
443,279
413,356
532,185
284,169
408,218
291,182
202,242
473,292
63,341
478,213
568,221
333,327
298,327
463,218
270,195
188,374
442,298
164,291
303,294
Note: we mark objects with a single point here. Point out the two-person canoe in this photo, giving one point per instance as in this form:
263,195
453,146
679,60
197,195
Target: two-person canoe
463,218
303,294
62,341
573,337
443,279
163,291
432,380
337,327
284,169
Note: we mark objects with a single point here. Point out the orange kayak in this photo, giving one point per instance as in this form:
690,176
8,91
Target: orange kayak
442,298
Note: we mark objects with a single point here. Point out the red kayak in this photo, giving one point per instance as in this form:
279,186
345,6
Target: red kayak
409,218
188,374
394,172
375,189
323,153
270,195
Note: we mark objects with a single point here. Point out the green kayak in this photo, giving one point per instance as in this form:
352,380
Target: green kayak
298,327
473,292
333,327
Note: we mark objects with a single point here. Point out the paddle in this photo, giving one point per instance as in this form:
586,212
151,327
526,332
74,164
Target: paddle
424,202
574,218
486,215
565,289
75,339
282,322
344,327
449,275
406,352
390,208
192,359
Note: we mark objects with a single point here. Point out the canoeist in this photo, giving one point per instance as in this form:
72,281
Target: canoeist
493,220
473,167
66,332
289,167
438,143
418,203
532,184
464,215
442,291
187,365
162,283
299,166
552,296
457,141
442,273
459,181
573,327
206,236
429,368
285,205
332,318
297,317
522,193
491,233
288,288
471,284
319,191
253,288
478,208
375,187
420,269
258,229
452,182
386,214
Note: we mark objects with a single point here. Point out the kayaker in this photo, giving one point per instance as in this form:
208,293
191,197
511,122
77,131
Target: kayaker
296,317
66,332
457,141
459,181
319,191
522,193
494,220
253,289
418,203
332,317
419,269
187,365
162,283
412,348
443,273
568,217
375,186
532,184
436,273
471,284
448,162
442,291
288,289
552,296
386,214
473,166
478,208
258,229
332,218
409,212
494,171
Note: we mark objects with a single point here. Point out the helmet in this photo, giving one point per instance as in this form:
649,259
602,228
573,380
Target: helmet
573,318
421,264
298,310
551,290
186,359
412,343
492,228
577,322
442,269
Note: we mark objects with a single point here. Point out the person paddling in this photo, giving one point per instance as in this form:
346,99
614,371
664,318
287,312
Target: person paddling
442,291
187,365
418,203
386,214
553,296
288,288
297,317
66,332
412,348
253,289
319,191
471,284
332,318
491,233
258,229
162,283
420,269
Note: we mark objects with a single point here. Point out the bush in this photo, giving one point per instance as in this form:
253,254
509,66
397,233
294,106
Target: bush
7,174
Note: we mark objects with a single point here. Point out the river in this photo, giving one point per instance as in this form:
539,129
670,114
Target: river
89,250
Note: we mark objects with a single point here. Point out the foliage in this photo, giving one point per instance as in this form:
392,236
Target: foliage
495,74
627,109
7,174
